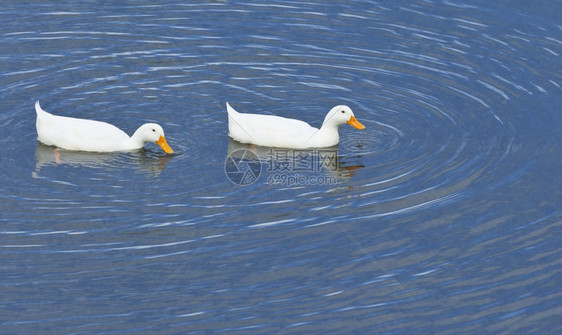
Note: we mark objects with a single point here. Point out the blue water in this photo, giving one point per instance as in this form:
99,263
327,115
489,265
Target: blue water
443,216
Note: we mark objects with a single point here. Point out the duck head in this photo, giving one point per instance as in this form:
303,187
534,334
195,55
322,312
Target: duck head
342,114
152,132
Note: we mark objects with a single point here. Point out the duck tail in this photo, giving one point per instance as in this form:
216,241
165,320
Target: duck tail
38,108
230,110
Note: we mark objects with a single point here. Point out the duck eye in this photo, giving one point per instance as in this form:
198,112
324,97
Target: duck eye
343,112
153,130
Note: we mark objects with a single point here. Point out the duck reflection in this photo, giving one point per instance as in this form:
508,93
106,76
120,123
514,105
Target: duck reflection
142,160
324,162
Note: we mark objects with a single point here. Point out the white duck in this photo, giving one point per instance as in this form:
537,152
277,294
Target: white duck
89,135
276,131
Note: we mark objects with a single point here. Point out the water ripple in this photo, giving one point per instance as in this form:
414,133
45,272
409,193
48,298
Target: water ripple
432,202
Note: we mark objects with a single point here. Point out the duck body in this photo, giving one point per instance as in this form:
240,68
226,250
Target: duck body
277,131
89,135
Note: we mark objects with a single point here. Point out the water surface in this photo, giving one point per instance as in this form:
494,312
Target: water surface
442,216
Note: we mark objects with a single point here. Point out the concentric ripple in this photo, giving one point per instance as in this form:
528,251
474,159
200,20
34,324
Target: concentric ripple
452,185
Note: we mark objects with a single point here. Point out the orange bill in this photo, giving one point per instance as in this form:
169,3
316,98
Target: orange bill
164,145
353,121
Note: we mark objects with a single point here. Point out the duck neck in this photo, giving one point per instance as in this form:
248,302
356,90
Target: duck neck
328,131
136,140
